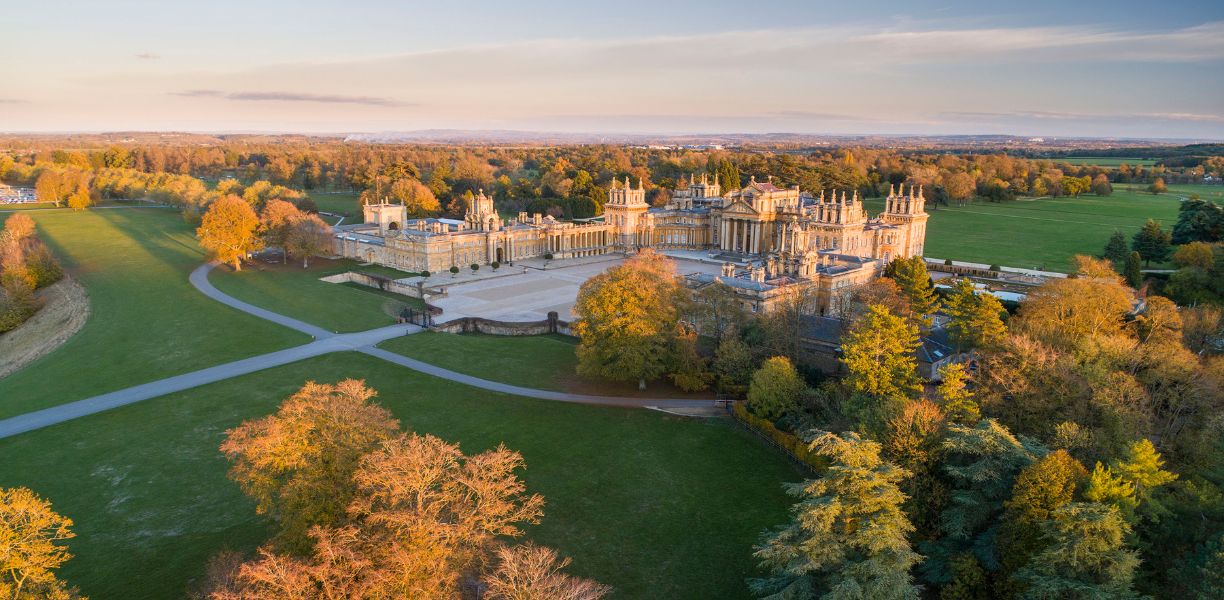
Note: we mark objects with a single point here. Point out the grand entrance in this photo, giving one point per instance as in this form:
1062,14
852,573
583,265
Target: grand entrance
500,257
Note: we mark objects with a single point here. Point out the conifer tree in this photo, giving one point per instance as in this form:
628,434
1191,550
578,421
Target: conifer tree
1143,468
1105,487
1152,242
1041,488
1086,557
911,275
975,320
1133,271
1116,249
878,351
848,535
955,398
775,388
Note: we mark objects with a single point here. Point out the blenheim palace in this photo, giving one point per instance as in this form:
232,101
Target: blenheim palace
767,239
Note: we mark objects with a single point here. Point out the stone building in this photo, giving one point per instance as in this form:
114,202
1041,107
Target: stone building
772,240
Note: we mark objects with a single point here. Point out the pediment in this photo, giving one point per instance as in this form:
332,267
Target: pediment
739,208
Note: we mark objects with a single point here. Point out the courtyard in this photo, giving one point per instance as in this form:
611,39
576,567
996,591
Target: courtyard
529,289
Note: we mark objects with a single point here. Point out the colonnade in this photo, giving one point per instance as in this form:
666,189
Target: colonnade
738,235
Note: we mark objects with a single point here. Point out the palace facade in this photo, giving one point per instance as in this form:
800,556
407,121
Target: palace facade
771,240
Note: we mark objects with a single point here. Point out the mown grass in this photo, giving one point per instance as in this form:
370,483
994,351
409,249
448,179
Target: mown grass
297,292
340,203
1105,161
654,505
146,322
1045,233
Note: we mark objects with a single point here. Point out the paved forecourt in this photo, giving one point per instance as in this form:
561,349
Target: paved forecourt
530,290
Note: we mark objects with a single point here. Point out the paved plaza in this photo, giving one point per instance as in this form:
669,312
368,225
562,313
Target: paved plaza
529,290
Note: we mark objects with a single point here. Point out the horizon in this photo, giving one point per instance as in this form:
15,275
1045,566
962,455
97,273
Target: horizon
1091,70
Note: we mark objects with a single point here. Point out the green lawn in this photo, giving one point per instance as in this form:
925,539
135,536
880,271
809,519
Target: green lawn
146,321
536,361
340,203
1044,233
654,505
291,290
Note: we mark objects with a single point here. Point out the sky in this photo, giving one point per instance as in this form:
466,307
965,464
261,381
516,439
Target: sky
1037,68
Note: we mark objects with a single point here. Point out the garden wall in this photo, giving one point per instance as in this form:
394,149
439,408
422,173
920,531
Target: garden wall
488,326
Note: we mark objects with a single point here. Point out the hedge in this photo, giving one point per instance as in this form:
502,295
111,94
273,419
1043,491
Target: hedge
789,442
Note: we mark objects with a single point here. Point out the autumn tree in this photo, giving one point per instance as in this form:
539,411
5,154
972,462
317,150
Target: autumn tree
276,221
913,439
530,572
307,237
298,463
229,230
31,547
733,365
627,317
1101,185
848,534
775,389
1063,311
1040,489
20,226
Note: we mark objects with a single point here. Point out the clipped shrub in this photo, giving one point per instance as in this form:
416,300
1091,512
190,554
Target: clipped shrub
793,444
475,267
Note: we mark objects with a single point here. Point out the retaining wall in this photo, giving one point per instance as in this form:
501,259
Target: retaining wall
488,326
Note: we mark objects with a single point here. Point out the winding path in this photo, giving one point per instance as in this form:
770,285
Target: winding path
325,342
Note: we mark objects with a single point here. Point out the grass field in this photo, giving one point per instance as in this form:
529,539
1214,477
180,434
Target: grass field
1044,233
537,361
146,321
1105,161
291,290
340,203
654,505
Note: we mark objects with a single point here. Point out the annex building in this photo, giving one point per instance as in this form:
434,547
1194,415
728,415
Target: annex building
770,240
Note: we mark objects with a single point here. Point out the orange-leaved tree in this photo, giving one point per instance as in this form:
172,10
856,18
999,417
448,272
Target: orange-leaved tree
30,546
230,230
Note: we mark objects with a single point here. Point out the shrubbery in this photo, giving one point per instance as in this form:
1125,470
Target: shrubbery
790,442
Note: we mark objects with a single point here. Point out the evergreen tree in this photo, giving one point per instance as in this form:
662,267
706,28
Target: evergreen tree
1116,250
955,398
915,283
728,176
1152,242
1086,557
733,365
1142,467
1107,488
1133,271
1041,488
1198,221
848,535
968,581
878,352
975,320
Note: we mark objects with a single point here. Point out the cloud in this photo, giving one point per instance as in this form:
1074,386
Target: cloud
292,97
147,56
1073,116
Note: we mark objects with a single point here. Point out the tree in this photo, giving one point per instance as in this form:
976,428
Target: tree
1194,254
31,549
80,199
298,463
530,572
20,226
1198,220
974,320
275,223
307,237
1105,487
960,186
1116,250
1061,312
775,389
1074,186
1158,186
733,365
1133,271
955,398
627,319
728,176
914,441
911,275
848,534
878,352
1143,468
229,230
1086,556
1040,489
1101,185
1151,242
688,366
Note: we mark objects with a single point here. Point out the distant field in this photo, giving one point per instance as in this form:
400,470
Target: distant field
291,290
1044,233
1105,161
146,321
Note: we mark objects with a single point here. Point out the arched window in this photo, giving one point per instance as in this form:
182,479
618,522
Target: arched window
392,226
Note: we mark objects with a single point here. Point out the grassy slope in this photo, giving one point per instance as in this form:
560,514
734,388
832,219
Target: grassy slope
340,203
146,321
1043,233
654,505
537,361
297,292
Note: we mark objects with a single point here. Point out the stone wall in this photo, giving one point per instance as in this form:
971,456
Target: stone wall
490,327
387,284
